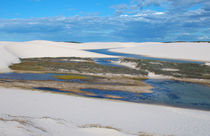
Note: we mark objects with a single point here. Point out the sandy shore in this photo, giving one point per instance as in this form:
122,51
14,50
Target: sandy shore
48,111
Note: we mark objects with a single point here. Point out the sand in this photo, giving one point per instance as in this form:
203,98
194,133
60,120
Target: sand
182,51
11,51
64,113
27,112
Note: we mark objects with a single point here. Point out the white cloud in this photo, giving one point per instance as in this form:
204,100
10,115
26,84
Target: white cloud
159,13
133,25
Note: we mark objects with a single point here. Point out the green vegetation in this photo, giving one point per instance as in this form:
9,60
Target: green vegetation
182,70
66,65
70,77
87,65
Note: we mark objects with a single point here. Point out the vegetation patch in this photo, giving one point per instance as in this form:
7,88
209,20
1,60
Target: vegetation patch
87,65
179,70
70,77
65,65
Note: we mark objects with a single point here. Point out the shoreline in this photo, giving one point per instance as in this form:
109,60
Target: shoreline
173,59
169,51
68,88
95,81
109,99
190,80
162,116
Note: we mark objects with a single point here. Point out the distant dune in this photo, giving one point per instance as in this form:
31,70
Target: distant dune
11,51
186,50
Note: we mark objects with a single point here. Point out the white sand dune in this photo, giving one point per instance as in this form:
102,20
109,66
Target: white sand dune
11,51
186,51
29,109
6,58
49,49
65,112
103,45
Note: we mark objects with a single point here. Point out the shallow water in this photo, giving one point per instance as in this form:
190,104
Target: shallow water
36,76
181,94
165,92
107,52
106,61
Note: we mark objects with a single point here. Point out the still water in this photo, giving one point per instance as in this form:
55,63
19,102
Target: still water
165,92
36,76
107,52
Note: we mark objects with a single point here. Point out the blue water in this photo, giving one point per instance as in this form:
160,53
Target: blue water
107,52
165,92
106,61
51,89
181,94
36,76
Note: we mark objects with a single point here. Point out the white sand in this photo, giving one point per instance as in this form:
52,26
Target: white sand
46,126
208,63
126,64
49,49
186,51
6,58
11,51
68,112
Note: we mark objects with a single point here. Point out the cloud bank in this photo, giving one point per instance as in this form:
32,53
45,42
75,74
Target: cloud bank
139,21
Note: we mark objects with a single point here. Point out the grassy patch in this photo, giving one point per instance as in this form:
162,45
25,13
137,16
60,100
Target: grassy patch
184,70
70,77
66,66
28,66
87,65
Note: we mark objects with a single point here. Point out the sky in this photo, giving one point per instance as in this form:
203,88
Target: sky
105,20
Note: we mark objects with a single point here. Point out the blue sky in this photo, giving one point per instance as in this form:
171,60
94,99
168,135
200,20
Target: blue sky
105,20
